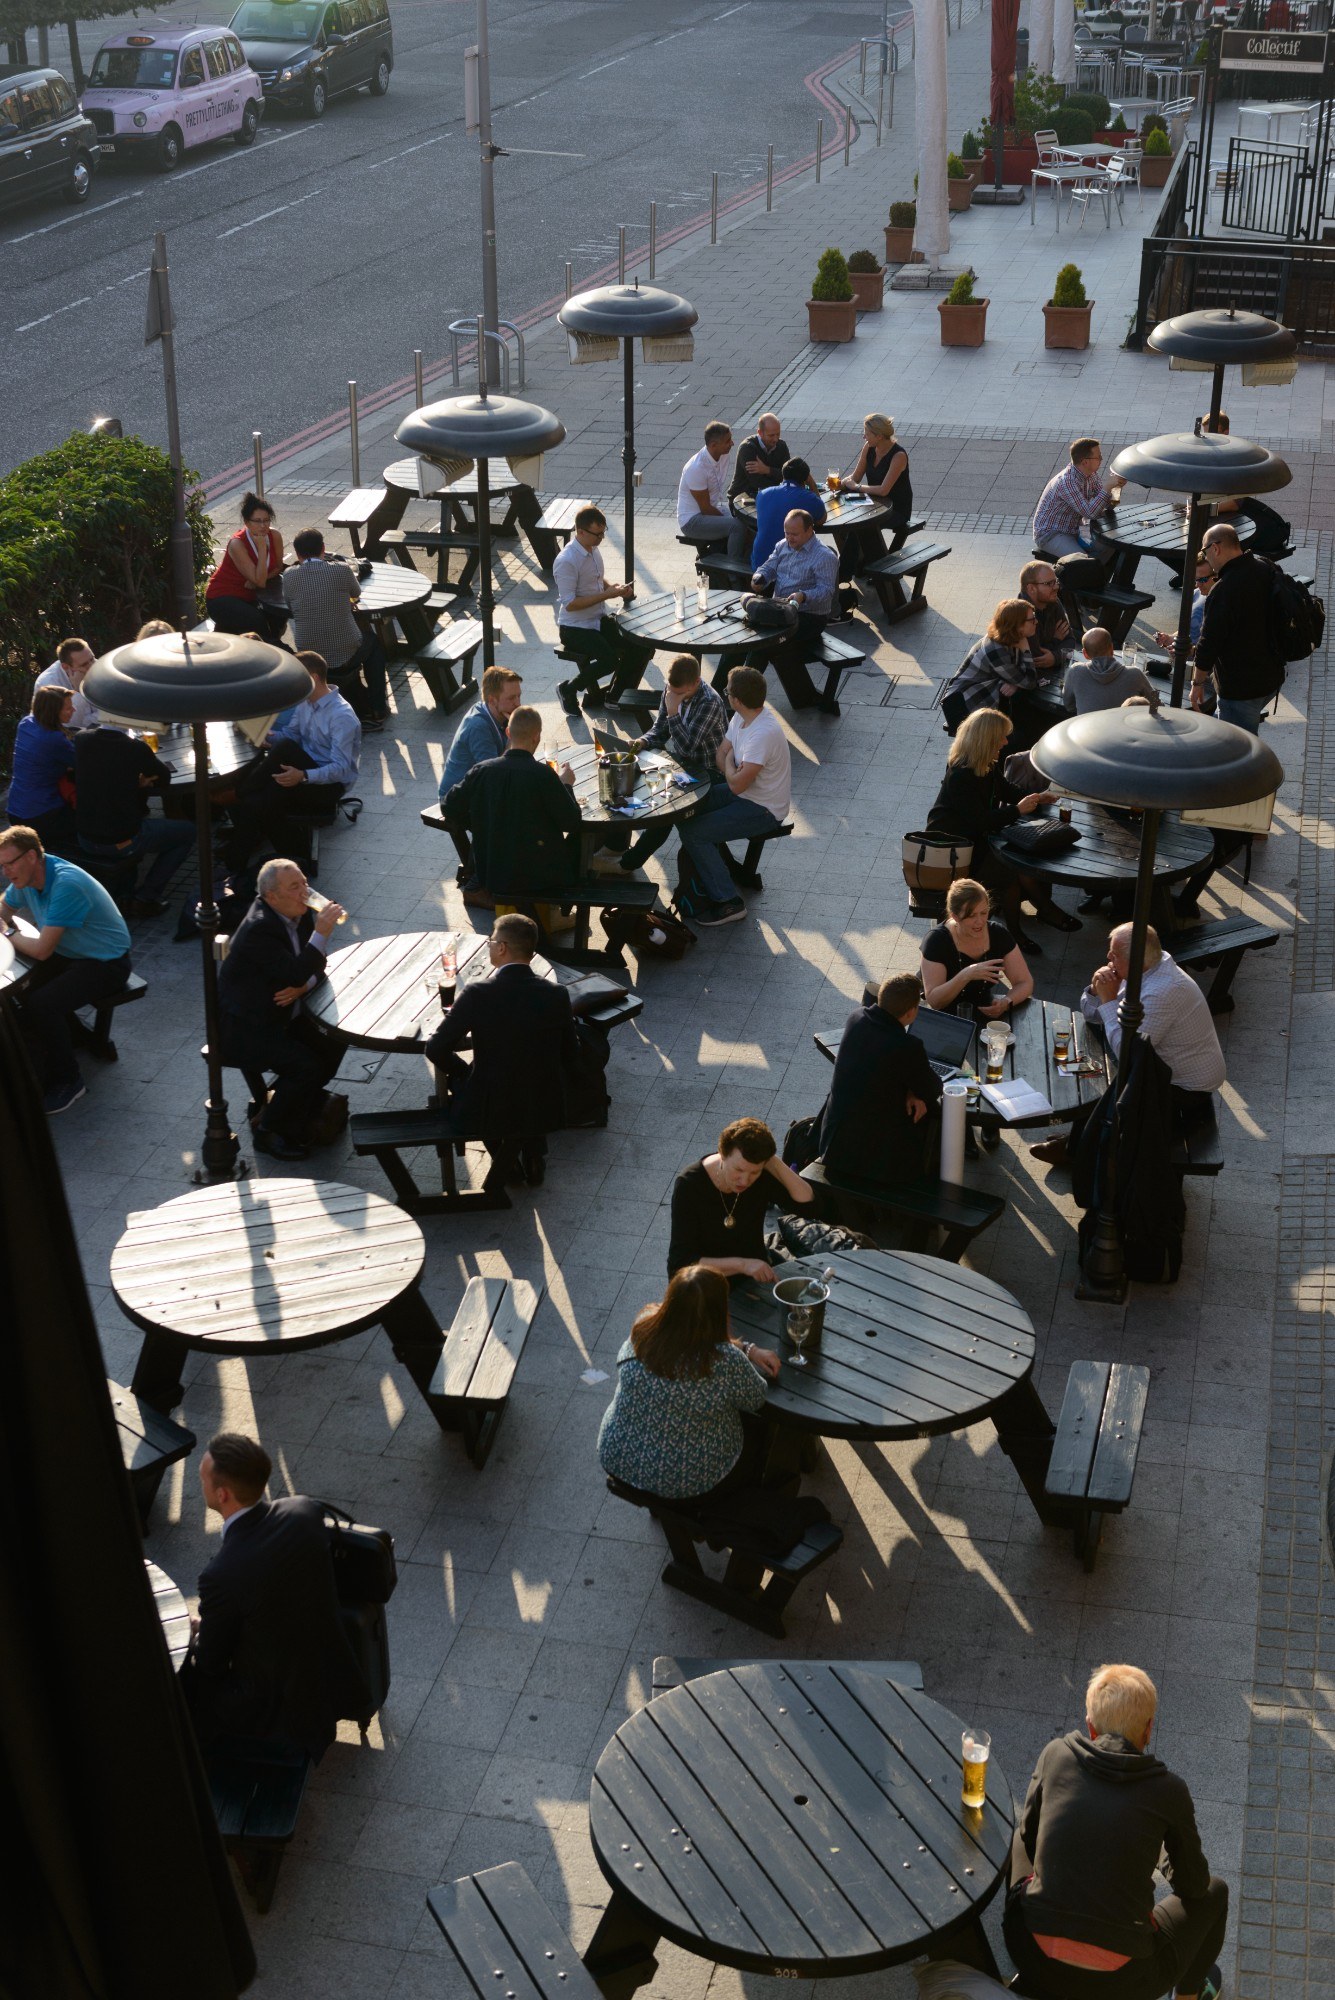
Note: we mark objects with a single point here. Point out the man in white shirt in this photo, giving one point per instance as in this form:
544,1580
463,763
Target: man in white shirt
703,510
310,760
69,670
584,630
751,795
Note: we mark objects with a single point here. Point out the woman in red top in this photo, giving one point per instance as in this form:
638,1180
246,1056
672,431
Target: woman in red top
251,565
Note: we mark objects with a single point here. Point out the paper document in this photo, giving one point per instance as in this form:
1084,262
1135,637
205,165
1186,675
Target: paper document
1017,1099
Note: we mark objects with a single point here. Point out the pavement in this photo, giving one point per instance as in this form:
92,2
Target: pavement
530,1605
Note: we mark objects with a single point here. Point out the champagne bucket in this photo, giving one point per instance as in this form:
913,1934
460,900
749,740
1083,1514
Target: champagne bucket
618,775
789,1293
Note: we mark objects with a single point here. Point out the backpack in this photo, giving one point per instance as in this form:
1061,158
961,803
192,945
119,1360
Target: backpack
649,933
1297,616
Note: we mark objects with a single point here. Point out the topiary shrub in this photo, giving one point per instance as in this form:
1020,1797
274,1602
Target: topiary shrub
961,292
1157,145
1069,289
970,148
1073,128
864,260
832,282
85,534
1153,122
955,168
1092,101
903,215
1119,124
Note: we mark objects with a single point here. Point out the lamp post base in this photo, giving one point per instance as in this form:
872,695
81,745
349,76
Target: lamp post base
220,1155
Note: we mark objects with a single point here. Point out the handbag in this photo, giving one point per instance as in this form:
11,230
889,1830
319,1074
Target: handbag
363,1558
932,861
1040,838
769,614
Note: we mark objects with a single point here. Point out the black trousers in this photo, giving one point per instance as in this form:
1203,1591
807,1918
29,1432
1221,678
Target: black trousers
263,807
52,990
367,665
302,1059
1188,1941
602,654
239,614
788,654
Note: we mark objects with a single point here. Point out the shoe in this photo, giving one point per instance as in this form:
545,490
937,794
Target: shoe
1053,1152
595,698
1057,918
477,898
61,1095
568,696
627,862
1027,943
534,1166
730,912
143,906
329,1122
606,864
828,707
372,724
1212,1986
1186,907
277,1146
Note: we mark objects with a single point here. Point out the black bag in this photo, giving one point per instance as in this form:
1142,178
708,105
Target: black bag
1041,837
649,933
1297,617
954,710
586,1093
806,1236
367,1633
769,614
801,1142
363,1558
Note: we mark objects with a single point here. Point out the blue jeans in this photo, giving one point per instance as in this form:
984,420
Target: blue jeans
168,840
1246,714
726,815
1058,544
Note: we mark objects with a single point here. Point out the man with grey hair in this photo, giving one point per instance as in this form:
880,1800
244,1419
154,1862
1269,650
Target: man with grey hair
1081,1919
275,958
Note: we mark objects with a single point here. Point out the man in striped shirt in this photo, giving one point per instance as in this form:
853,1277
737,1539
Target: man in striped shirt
1072,498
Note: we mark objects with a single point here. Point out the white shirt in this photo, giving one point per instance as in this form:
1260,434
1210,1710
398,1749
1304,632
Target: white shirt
1178,1025
85,716
578,572
703,474
763,742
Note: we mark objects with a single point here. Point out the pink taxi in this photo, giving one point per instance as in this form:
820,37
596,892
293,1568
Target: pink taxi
157,95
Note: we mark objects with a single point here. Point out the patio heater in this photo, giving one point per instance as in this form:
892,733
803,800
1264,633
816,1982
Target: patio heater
198,678
615,316
481,427
1147,761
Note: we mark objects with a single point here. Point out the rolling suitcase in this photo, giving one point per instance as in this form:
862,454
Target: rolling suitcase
363,1557
368,1635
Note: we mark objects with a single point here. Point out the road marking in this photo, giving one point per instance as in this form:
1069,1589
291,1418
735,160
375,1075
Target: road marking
28,325
267,216
420,148
602,66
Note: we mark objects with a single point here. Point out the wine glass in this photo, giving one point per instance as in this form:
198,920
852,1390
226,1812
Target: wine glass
799,1331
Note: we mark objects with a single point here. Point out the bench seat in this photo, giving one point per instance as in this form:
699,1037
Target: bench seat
97,1039
886,576
1222,943
728,572
452,645
962,1213
553,528
1115,606
367,512
1198,1149
745,873
384,1134
1097,1442
397,544
256,1801
507,1941
472,1383
149,1443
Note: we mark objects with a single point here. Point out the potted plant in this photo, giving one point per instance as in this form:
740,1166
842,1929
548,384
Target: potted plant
1073,128
867,274
1157,159
959,185
1038,97
1119,126
899,232
1066,316
972,155
831,311
963,317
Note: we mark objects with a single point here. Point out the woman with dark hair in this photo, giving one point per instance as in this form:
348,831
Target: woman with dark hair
719,1204
251,564
43,761
674,1427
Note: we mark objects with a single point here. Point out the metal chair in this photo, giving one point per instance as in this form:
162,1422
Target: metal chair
1131,156
1105,187
1046,142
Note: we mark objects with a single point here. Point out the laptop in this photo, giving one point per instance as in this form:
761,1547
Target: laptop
947,1038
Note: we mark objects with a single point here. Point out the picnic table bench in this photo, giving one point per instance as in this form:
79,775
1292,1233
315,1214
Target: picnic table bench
745,873
256,1800
1198,1149
471,1387
1222,943
398,544
886,576
149,1441
506,1940
367,512
1093,1463
961,1213
97,1039
451,645
552,530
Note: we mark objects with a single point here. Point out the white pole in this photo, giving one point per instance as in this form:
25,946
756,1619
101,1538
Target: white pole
1040,36
932,235
1063,41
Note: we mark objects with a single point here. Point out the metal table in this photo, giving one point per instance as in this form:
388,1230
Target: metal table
1272,116
1057,178
1106,855
799,1820
1158,528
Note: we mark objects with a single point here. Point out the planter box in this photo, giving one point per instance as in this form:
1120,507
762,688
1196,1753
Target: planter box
898,245
1155,169
958,195
868,290
1066,326
963,326
1017,163
832,319
974,170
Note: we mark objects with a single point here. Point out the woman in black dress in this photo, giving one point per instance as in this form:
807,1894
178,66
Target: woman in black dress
719,1204
881,473
966,958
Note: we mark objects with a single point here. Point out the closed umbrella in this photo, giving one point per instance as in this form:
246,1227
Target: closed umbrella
1005,22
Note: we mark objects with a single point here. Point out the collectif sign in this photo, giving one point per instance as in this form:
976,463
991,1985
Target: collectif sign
1276,50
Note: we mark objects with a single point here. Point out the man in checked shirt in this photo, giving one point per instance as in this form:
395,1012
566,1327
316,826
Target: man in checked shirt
692,721
1070,498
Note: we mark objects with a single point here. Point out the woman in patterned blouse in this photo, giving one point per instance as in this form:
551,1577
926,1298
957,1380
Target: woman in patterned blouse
675,1426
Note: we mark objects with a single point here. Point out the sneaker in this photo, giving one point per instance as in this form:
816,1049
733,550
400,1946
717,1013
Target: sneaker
61,1095
730,912
372,724
1212,1986
568,696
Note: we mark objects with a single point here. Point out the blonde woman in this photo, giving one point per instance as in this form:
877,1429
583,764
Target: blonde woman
999,664
975,801
969,956
881,473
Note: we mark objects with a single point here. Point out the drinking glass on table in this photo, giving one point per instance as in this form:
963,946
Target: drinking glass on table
800,1321
975,1748
996,1038
1133,657
1061,1040
834,479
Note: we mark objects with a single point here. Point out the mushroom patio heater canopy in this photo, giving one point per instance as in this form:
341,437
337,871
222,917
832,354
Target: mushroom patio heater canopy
1221,337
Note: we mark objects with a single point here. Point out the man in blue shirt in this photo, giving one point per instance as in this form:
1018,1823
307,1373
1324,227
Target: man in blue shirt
479,736
310,760
80,953
804,572
774,503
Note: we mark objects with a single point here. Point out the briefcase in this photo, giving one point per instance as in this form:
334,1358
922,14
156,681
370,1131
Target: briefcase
364,1568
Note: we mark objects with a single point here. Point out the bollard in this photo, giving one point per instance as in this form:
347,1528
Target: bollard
892,100
352,433
769,180
848,133
713,208
418,384
820,146
880,112
258,442
621,254
570,280
653,240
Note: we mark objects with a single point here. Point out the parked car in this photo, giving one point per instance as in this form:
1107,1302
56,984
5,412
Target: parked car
307,51
159,95
47,146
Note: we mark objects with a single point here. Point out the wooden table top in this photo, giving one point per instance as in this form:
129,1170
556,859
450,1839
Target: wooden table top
172,1611
402,474
265,1265
390,586
1107,850
852,510
384,993
797,1820
229,752
1159,524
653,622
912,1346
661,805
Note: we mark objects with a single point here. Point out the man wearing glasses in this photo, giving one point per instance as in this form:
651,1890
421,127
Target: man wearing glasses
79,955
585,633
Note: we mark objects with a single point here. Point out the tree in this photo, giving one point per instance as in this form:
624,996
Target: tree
19,17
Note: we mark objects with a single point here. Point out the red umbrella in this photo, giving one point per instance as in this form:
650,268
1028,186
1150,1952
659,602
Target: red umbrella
1005,21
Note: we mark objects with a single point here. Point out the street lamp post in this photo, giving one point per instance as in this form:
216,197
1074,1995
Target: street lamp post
198,678
1148,761
597,322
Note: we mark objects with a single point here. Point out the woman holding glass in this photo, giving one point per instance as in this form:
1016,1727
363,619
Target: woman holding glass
881,474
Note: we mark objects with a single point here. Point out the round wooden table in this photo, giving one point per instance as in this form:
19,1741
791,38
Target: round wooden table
384,993
13,968
172,1612
390,588
265,1267
403,475
1158,528
230,753
660,805
653,623
1105,856
842,512
802,1820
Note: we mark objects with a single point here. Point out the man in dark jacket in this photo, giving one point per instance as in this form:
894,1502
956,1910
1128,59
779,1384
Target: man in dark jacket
275,958
1237,644
1081,1918
875,1123
269,1658
524,819
522,1034
114,773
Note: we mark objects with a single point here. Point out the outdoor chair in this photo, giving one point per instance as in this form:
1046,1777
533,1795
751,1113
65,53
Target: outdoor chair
1131,156
1046,143
1105,187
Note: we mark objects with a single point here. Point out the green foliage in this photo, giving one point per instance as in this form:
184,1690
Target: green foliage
1038,97
1157,146
970,148
903,215
1153,121
832,282
1119,124
85,547
1073,128
955,168
1069,289
19,17
961,292
1092,101
864,260
1202,54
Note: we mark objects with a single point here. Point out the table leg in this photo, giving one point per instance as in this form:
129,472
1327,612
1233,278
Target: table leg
157,1374
620,1954
967,1944
416,1338
1025,1432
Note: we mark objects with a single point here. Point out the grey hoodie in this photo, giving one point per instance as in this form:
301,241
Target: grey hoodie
1102,683
1095,1818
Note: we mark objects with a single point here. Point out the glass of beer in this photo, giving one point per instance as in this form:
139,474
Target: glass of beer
976,1747
996,1053
1064,812
316,902
150,737
1061,1042
832,479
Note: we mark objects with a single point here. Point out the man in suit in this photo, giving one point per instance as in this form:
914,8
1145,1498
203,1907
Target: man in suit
269,1659
523,1040
875,1122
275,958
524,819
